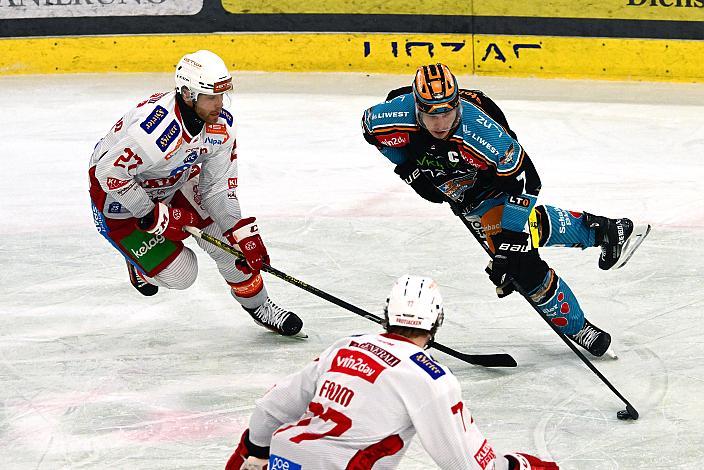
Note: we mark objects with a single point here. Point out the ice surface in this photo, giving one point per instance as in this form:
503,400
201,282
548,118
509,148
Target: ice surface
92,375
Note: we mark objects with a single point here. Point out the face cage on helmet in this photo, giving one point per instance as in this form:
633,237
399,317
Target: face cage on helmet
455,122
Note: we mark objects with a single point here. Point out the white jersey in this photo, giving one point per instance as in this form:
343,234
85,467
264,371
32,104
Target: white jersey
359,405
149,155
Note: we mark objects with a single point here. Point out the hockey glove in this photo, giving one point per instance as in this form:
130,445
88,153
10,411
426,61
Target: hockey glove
247,455
245,234
167,221
520,461
412,176
509,248
504,288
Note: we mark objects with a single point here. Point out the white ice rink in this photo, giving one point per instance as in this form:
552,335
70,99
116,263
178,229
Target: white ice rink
95,376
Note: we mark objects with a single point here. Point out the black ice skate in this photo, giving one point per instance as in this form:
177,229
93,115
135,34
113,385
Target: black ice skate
271,316
593,339
139,283
618,239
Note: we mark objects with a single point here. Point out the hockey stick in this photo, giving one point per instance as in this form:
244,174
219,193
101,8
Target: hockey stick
485,360
630,412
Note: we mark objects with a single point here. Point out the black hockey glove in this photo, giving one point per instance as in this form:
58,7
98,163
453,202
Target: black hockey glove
503,288
410,174
509,249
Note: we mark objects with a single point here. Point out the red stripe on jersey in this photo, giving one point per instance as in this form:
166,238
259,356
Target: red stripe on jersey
366,458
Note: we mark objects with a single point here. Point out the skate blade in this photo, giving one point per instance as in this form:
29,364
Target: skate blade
611,353
633,242
300,335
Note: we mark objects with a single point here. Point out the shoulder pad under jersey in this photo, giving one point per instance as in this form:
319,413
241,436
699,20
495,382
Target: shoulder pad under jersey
227,116
397,114
156,128
486,139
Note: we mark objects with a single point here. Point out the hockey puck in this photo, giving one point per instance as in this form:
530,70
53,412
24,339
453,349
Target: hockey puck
628,413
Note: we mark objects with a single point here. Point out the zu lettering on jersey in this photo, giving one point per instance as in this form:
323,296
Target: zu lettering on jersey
357,364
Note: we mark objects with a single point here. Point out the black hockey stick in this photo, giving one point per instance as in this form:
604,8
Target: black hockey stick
485,360
630,412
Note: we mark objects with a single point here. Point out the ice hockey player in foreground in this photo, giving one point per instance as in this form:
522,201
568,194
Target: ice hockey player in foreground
359,404
169,162
454,145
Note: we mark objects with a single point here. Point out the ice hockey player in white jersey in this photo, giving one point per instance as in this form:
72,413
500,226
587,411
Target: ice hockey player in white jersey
171,162
359,404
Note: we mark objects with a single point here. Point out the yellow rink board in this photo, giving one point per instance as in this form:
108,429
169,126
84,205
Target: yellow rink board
537,56
672,10
385,53
360,7
593,58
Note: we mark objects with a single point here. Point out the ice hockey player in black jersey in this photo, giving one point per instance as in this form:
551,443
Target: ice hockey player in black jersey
455,145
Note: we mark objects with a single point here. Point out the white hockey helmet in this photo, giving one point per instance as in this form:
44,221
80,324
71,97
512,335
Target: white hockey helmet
414,302
203,72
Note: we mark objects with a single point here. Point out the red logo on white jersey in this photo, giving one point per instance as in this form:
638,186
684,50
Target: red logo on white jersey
485,455
114,183
472,160
128,160
397,139
118,125
232,183
216,129
357,364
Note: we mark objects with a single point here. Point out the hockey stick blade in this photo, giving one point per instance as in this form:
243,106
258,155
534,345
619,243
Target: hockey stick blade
484,360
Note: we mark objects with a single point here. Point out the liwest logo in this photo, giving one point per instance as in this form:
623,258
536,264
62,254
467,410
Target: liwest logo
390,114
146,246
153,120
357,364
428,365
168,136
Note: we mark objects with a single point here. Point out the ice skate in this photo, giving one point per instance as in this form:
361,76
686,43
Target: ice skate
618,239
593,339
140,283
281,321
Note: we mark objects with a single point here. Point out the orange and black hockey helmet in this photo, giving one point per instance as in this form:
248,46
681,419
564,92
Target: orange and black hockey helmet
435,89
